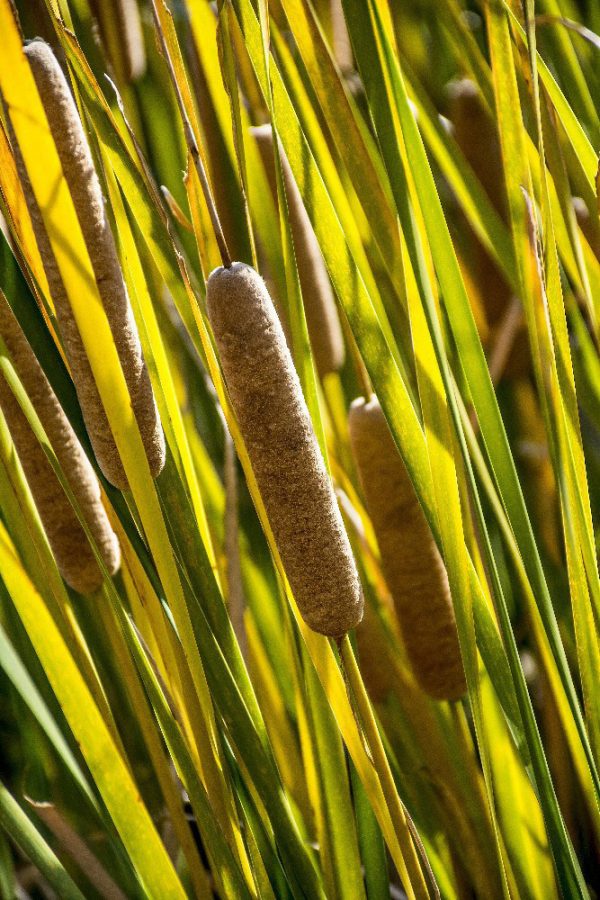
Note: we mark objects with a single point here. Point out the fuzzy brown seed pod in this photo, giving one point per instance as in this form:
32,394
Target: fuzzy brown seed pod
342,46
286,460
74,556
411,562
477,137
322,320
87,198
122,36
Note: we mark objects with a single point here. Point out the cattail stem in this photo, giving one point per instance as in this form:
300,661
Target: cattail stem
192,145
412,876
283,450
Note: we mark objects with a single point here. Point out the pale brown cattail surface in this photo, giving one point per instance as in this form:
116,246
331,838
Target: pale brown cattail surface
322,320
411,562
477,137
72,551
284,453
87,197
122,36
342,46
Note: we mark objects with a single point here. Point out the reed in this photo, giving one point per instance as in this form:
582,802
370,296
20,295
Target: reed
411,562
322,320
283,450
81,177
73,553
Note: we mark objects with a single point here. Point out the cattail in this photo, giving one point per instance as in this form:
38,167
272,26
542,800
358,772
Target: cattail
122,37
412,565
342,47
84,187
74,556
285,456
322,320
477,137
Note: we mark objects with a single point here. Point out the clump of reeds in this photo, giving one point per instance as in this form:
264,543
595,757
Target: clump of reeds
286,460
122,36
322,320
66,536
412,565
81,177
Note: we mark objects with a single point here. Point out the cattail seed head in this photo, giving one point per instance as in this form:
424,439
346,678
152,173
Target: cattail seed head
477,137
283,450
122,36
342,46
322,320
73,553
411,562
87,198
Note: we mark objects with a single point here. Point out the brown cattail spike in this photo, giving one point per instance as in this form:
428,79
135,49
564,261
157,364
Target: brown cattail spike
122,36
322,320
85,190
412,565
74,556
477,136
342,47
285,456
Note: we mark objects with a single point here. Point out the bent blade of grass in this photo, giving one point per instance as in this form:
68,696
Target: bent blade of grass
23,682
23,832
